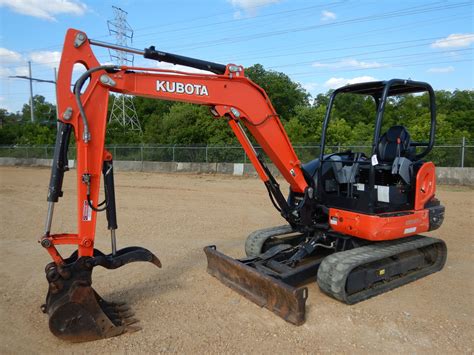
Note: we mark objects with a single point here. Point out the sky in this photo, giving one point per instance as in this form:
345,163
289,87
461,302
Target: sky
320,44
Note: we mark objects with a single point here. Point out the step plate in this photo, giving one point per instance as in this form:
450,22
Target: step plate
284,300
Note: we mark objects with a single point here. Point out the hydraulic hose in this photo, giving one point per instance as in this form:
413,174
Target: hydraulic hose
77,92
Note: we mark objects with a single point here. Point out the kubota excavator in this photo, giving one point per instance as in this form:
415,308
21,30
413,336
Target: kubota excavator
353,221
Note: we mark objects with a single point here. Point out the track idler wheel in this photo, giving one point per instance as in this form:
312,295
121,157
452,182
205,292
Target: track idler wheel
76,312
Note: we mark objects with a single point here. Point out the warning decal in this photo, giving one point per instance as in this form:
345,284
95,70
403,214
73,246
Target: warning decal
86,211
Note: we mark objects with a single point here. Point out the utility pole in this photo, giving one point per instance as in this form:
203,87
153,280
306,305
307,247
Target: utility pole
31,79
123,109
55,81
32,105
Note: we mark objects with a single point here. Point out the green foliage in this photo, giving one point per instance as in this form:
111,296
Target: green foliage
352,119
18,128
45,112
284,93
192,124
305,125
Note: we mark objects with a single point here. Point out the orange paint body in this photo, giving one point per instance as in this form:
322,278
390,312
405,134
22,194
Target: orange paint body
233,97
387,226
225,93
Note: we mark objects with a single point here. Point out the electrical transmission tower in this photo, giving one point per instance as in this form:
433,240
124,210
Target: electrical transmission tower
123,109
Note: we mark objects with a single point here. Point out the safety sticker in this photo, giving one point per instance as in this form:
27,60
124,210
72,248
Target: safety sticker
86,211
383,193
409,230
374,160
333,220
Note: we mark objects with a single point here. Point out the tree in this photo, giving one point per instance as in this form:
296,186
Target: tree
284,93
45,112
193,124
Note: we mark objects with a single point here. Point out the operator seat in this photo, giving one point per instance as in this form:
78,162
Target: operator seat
394,143
395,153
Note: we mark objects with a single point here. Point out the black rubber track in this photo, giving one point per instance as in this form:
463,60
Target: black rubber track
255,240
335,268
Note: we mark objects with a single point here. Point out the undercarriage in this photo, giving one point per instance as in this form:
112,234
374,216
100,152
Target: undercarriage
346,268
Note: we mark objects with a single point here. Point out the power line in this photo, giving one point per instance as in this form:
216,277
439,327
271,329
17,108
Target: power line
373,52
53,46
230,22
284,50
423,9
31,79
406,26
381,16
401,65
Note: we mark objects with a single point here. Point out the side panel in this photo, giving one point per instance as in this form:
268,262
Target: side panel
378,227
425,185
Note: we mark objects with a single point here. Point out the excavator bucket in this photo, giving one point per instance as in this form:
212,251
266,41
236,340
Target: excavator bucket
76,312
282,299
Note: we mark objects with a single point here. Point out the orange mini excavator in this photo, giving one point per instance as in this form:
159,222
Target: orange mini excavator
353,221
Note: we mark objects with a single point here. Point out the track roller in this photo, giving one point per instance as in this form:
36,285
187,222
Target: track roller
255,243
355,275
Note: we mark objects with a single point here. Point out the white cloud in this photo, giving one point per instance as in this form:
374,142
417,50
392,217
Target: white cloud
238,15
13,63
8,56
454,40
249,7
45,9
349,64
23,70
441,70
310,86
8,62
334,83
47,58
3,105
327,15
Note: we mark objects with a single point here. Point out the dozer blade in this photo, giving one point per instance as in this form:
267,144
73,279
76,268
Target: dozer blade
76,312
284,300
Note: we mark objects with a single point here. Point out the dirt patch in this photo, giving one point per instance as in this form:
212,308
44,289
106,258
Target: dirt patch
183,309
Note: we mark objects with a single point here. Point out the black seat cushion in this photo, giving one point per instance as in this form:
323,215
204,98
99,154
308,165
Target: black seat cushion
393,143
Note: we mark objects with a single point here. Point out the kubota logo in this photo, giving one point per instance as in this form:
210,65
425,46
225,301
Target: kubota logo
181,88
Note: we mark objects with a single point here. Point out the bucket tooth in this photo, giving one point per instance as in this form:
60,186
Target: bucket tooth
76,311
77,316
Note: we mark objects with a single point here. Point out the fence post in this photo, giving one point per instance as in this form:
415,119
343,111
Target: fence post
141,152
46,152
27,152
173,152
206,153
463,147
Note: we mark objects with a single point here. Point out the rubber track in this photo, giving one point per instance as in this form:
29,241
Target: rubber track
255,240
334,270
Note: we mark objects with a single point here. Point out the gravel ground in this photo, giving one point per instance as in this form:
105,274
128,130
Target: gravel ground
183,309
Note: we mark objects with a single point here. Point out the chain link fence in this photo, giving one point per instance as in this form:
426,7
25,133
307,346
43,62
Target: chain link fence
452,154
